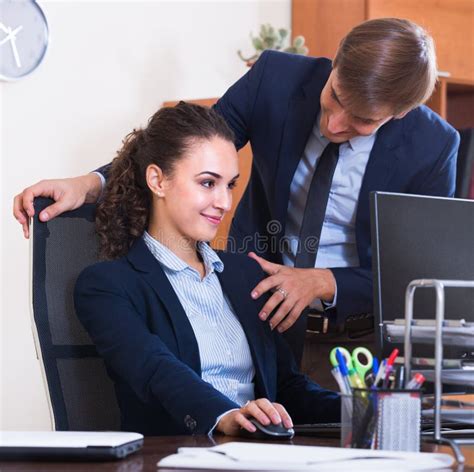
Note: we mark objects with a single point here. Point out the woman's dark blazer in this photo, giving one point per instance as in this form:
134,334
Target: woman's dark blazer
135,319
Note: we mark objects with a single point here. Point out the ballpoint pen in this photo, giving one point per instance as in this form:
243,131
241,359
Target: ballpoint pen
343,369
375,366
388,372
416,382
380,374
400,377
336,373
392,357
389,366
369,379
371,376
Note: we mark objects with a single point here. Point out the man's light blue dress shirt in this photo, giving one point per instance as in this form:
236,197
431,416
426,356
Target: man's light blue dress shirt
337,247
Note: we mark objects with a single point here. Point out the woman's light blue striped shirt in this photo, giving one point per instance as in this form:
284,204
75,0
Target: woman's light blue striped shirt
226,362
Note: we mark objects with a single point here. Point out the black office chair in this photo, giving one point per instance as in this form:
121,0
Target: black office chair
81,395
465,165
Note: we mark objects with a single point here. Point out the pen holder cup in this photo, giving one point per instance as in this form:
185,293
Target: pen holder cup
381,419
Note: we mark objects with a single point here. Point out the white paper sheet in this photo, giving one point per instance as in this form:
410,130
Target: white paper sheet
278,457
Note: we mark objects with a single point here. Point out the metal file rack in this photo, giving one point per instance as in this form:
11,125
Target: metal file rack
437,336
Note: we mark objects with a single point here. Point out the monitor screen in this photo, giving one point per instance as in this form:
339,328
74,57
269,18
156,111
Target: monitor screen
420,237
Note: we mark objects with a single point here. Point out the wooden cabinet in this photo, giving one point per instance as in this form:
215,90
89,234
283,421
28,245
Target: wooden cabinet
453,99
451,23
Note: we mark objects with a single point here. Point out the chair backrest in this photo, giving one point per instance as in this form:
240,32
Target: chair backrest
81,395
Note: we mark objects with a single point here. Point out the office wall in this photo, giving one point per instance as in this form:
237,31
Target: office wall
109,67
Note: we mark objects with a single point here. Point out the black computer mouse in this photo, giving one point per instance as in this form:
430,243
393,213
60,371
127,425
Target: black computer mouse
271,431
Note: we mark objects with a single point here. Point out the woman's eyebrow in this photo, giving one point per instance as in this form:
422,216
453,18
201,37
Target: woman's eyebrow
217,176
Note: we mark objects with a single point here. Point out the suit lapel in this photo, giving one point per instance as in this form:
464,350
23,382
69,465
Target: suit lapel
303,109
381,165
383,157
151,271
382,161
239,296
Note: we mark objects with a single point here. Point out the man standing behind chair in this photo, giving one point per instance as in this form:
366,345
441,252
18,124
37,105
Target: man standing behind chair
306,208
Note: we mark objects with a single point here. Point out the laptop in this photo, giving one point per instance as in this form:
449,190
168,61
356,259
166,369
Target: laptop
67,445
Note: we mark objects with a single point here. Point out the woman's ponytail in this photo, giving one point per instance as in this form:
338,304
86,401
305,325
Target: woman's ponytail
122,215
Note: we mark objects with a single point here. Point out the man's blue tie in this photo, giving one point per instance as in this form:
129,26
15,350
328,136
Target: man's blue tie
315,209
310,234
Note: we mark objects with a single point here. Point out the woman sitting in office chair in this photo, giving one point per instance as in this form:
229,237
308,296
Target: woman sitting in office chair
180,335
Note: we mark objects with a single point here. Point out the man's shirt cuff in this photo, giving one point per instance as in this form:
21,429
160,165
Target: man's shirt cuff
321,305
328,305
102,185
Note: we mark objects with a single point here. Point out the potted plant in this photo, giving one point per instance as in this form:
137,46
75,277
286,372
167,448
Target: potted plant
271,38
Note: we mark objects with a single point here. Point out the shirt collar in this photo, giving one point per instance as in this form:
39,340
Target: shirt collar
169,259
362,143
357,144
211,260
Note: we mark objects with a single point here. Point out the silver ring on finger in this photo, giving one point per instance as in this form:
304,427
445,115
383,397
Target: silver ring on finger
283,292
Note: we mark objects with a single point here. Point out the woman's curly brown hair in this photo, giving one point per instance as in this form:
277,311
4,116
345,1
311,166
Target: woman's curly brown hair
123,214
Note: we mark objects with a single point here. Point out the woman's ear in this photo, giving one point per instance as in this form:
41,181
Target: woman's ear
155,180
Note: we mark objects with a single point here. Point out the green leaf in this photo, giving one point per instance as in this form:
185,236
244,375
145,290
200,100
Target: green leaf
298,42
258,44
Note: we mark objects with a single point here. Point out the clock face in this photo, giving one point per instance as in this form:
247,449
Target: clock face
23,38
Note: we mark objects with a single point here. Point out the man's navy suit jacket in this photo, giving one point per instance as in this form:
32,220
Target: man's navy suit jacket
274,106
135,319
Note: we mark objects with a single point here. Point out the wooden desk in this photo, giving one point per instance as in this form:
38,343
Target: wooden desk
156,448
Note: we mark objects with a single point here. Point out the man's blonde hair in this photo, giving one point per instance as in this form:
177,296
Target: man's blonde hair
386,62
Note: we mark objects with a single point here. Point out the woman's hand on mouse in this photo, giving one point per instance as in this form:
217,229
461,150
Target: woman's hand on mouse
262,409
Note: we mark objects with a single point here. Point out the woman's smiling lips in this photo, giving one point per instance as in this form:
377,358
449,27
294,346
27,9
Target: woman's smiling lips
215,220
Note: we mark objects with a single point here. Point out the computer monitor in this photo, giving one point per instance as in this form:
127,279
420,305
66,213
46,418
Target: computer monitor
421,237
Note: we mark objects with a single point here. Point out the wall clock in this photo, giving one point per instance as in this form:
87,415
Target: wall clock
24,37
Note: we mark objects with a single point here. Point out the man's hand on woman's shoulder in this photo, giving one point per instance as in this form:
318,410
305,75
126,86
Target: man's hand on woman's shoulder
68,194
